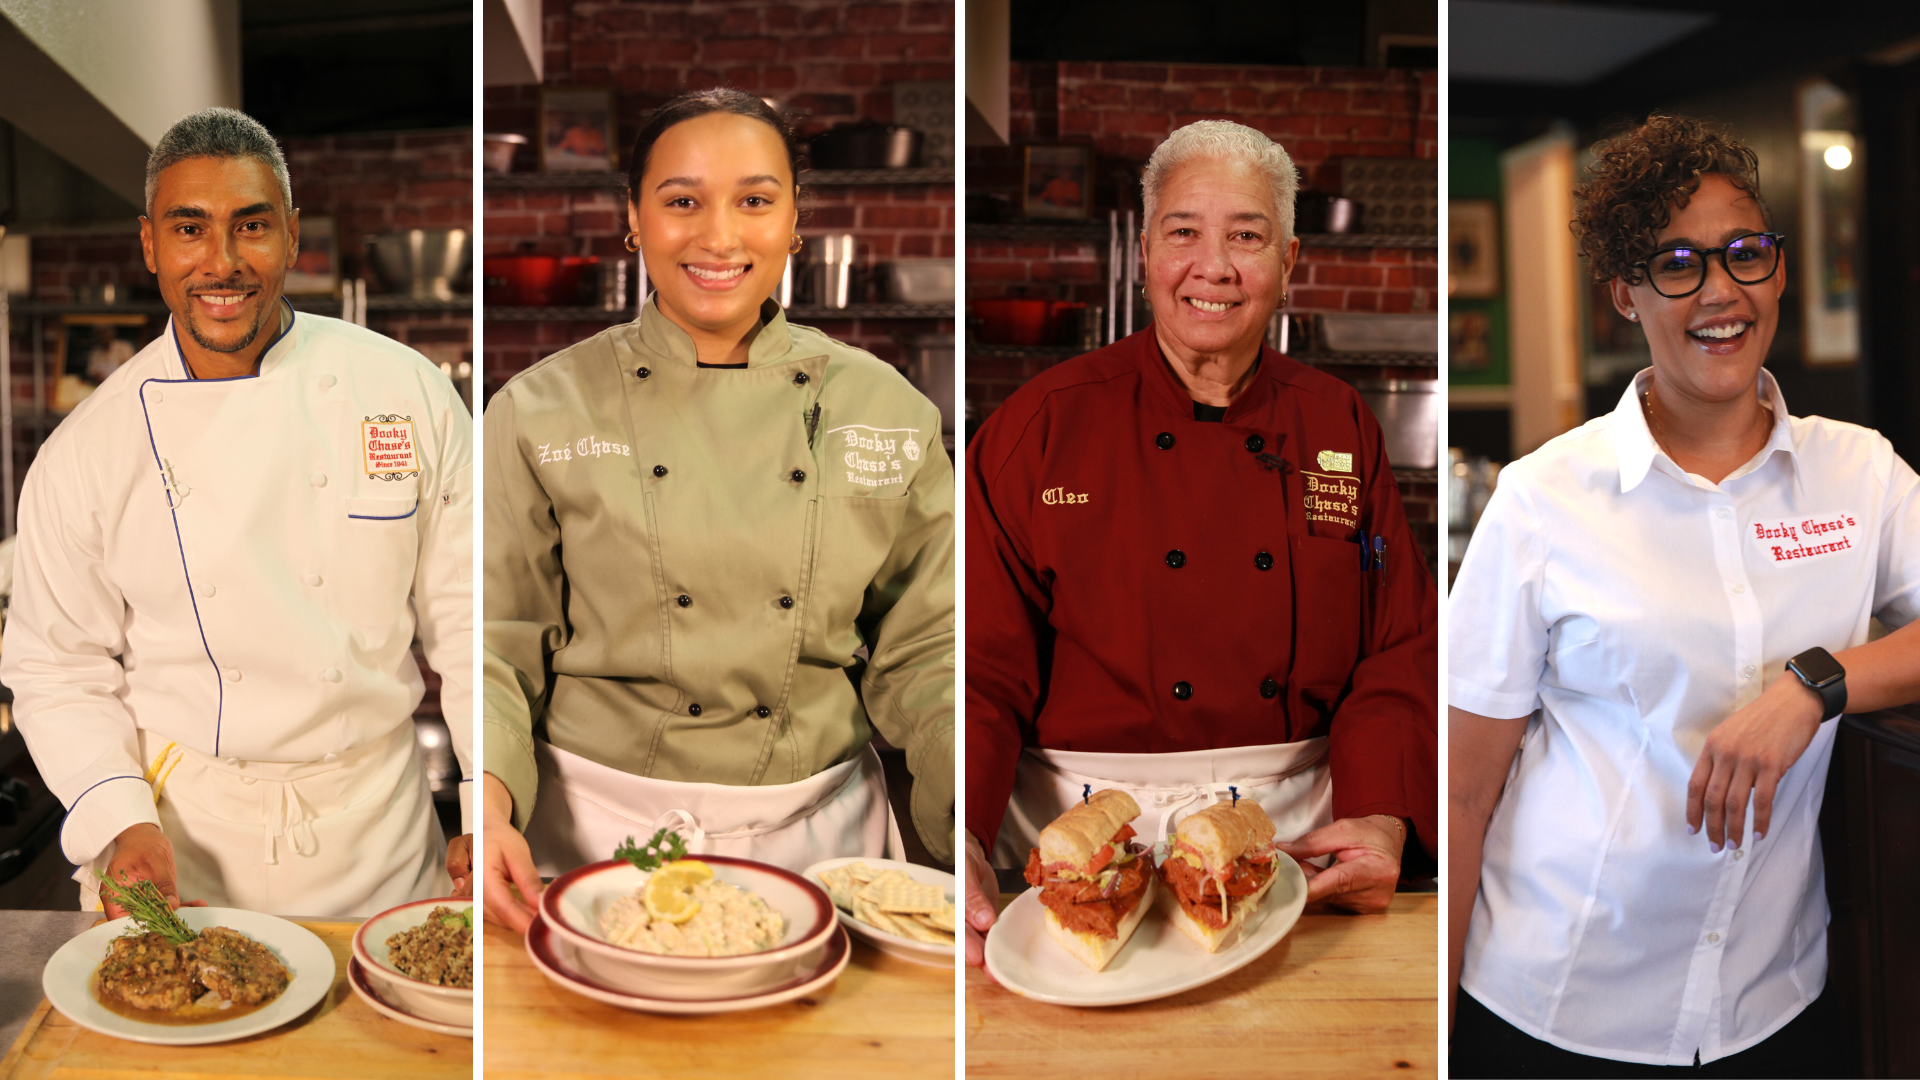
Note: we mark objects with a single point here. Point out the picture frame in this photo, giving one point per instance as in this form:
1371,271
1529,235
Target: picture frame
90,348
1473,249
1827,248
577,130
316,270
1056,182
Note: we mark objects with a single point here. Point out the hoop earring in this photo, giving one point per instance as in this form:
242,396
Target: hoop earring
631,246
798,243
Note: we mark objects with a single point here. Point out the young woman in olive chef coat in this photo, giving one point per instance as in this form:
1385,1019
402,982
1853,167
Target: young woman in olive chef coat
694,521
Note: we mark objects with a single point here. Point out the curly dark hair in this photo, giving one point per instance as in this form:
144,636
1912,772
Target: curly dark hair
1639,176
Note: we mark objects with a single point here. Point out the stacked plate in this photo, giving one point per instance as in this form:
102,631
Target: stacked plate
567,945
396,996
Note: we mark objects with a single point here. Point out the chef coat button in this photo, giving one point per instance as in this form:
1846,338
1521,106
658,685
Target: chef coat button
232,763
184,490
158,397
1713,939
801,379
233,674
683,600
327,381
763,712
1164,440
331,674
206,591
1263,561
330,758
1724,513
1255,444
248,780
644,372
693,709
318,479
1747,672
1269,689
1176,558
786,601
659,470
311,579
1183,689
797,476
1739,588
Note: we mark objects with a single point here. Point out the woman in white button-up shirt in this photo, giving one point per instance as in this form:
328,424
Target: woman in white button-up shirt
1631,588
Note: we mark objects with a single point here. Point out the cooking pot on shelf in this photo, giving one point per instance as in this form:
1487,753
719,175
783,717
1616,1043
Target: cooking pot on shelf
866,144
534,280
1011,320
1409,415
422,263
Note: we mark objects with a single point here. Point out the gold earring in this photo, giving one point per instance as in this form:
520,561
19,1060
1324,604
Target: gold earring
798,243
631,243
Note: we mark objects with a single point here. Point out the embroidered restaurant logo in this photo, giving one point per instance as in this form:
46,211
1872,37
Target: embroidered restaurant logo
873,455
1807,538
386,443
1332,498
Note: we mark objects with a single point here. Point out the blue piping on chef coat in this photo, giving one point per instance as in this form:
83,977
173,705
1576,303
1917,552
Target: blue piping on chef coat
388,517
84,794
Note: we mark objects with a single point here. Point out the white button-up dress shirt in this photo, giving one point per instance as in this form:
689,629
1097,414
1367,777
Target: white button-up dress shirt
1629,607
239,566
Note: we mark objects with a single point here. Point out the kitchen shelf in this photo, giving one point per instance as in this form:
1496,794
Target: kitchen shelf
798,313
618,181
1328,359
1025,352
1369,240
1416,476
1088,232
322,305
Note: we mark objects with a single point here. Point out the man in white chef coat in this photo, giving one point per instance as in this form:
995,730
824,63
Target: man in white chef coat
225,553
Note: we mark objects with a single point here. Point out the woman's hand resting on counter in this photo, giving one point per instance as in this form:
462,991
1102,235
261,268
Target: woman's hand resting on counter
508,861
981,912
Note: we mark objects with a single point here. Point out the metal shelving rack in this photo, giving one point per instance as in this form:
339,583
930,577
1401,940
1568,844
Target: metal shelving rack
618,181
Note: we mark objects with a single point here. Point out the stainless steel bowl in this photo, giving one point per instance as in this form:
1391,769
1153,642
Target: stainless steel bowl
423,263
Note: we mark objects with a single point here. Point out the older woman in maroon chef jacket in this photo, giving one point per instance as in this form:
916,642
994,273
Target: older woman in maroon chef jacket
1188,568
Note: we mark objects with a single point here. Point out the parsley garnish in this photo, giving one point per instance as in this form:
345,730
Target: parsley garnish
666,846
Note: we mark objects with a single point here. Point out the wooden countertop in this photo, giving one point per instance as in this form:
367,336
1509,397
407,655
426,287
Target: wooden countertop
882,1017
1341,994
340,1037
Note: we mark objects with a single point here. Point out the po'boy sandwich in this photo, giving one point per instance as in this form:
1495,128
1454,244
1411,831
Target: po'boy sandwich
1218,869
1095,883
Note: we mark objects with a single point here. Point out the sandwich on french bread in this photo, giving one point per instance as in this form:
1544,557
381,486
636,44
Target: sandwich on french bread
1095,882
1217,870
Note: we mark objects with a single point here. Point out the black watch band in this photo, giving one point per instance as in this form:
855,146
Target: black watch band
1821,673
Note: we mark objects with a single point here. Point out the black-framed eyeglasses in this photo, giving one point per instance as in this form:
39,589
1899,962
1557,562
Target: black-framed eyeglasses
1682,271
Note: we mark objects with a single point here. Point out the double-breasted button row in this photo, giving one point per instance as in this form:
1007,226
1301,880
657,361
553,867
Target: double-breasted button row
1183,689
1177,559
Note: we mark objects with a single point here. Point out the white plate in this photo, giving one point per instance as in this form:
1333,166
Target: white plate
560,963
307,958
1158,961
906,948
357,978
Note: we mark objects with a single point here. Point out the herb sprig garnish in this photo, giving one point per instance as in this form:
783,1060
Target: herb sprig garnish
666,846
149,909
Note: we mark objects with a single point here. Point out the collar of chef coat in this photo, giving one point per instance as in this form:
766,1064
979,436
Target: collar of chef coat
1638,453
281,347
1170,391
661,337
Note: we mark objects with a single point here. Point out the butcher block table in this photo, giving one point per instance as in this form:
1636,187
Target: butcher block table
883,1017
1340,995
339,1037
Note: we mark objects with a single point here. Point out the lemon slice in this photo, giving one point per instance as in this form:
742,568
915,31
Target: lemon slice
669,890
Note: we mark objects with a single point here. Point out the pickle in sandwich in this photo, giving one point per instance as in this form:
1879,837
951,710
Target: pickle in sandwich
1095,882
1218,868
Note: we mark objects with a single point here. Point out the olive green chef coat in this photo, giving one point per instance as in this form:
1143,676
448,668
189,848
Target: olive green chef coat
682,564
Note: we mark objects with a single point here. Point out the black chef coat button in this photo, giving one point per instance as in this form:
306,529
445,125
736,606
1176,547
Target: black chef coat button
801,379
1263,561
644,372
1164,440
798,476
684,600
1176,558
659,470
763,712
1269,689
1183,689
786,601
693,709
1255,444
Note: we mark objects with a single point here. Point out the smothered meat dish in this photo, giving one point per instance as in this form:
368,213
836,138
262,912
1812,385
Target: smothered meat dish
163,971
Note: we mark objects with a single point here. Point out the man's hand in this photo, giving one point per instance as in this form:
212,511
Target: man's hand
1746,756
981,911
143,853
460,865
508,860
1366,866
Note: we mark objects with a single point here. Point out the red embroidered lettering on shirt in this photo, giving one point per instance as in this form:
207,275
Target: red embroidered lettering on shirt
387,447
1785,541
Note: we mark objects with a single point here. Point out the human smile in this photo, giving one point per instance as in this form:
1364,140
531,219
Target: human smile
224,301
714,276
1210,307
1720,331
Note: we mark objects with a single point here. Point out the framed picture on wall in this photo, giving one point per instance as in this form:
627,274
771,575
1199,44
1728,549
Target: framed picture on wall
316,270
1473,249
1828,247
1057,182
90,348
577,130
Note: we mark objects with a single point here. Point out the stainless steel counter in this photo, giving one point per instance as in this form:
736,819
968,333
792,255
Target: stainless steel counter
28,939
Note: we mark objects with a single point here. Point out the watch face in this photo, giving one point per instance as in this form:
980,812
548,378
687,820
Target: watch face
1818,667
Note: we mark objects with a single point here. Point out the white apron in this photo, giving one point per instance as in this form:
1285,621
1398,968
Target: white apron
586,810
1290,781
354,836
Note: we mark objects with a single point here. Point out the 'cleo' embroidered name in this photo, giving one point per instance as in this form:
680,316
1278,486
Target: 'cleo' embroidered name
1808,538
1057,495
387,447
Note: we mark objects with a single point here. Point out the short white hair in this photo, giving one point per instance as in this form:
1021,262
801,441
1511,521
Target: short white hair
218,133
1228,141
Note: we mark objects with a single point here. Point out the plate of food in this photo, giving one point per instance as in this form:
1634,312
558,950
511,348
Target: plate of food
562,964
1105,926
418,959
186,977
901,908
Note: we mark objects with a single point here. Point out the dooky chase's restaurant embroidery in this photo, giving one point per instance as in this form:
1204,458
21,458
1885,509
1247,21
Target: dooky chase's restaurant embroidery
388,448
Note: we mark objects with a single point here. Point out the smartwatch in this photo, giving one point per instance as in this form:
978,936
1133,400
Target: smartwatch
1822,674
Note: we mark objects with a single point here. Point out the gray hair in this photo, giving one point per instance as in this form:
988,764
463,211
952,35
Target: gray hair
1222,139
218,133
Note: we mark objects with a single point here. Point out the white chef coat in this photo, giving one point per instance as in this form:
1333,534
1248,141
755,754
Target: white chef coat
238,566
1630,608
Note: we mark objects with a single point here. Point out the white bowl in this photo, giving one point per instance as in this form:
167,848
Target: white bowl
906,948
440,1004
573,905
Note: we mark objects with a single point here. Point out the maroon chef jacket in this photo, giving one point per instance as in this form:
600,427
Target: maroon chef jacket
1141,582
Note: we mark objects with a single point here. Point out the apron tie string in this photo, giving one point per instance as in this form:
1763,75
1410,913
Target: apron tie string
687,824
1170,801
288,817
156,776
